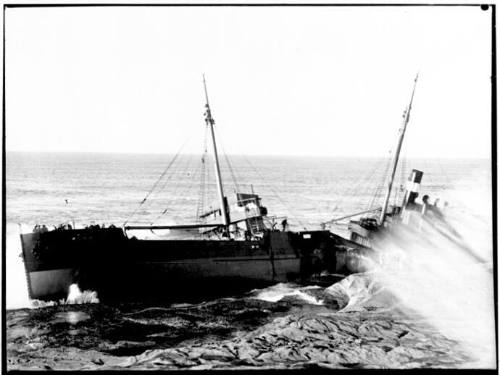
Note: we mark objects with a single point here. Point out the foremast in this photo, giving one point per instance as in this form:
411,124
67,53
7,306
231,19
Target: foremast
210,123
402,130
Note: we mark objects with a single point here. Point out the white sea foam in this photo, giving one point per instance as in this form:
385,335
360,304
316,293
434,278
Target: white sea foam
17,287
354,290
76,296
447,278
279,291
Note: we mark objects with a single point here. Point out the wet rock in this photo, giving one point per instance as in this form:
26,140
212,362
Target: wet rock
232,333
71,317
122,347
97,361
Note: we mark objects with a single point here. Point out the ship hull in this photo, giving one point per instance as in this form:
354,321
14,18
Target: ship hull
189,280
50,284
128,269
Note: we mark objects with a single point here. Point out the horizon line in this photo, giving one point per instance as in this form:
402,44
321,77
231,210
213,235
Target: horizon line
150,153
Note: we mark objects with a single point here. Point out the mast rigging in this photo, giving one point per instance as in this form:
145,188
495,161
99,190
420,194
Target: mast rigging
402,130
211,122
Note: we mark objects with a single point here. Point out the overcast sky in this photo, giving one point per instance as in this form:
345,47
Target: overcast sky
330,81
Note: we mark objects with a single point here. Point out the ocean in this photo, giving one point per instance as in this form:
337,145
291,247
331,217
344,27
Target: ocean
389,318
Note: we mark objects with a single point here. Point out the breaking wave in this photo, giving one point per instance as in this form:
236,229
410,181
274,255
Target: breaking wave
362,291
17,288
357,292
280,291
16,285
76,296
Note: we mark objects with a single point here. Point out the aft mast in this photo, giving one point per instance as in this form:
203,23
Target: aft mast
402,130
211,122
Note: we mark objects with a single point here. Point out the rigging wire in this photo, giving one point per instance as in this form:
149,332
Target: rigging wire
200,207
188,185
209,191
203,177
177,188
230,167
370,182
402,174
365,181
432,180
156,183
275,193
373,189
176,169
203,171
381,185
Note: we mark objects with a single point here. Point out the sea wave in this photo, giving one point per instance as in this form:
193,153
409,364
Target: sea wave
280,291
17,286
359,292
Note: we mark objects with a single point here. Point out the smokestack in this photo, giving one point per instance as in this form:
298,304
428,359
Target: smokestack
411,194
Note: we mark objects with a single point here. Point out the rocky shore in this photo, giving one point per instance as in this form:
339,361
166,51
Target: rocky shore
245,332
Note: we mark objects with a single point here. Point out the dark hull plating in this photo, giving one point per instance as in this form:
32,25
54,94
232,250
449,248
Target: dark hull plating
122,268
